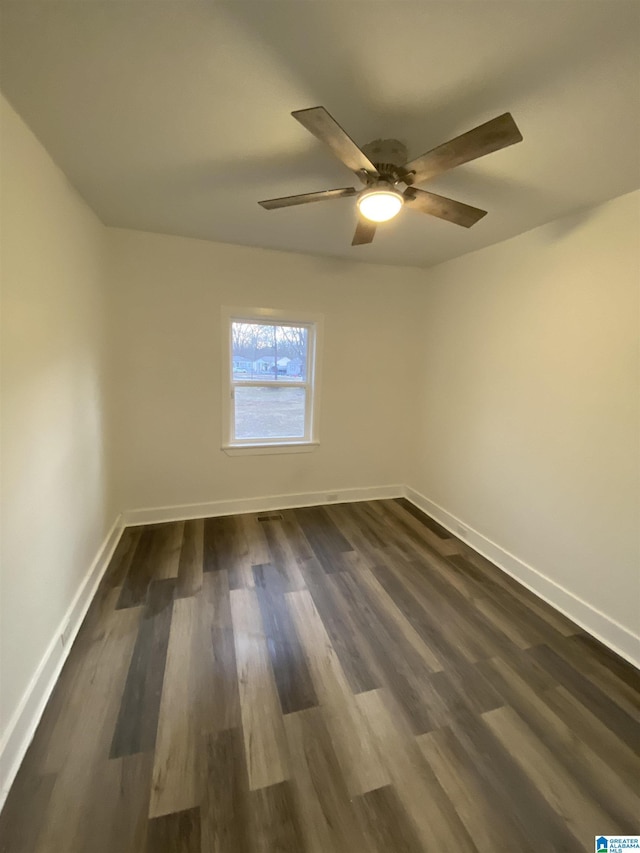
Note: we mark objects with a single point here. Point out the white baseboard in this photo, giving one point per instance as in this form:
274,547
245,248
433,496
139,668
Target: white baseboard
269,503
26,717
618,638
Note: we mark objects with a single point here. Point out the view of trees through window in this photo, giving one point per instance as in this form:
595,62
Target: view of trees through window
262,354
265,352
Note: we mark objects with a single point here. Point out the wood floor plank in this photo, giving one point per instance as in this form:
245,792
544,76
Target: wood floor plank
474,582
434,632
262,726
470,634
441,695
48,749
191,562
325,538
289,665
463,690
121,786
23,813
388,528
388,611
538,679
282,554
137,723
275,822
462,780
611,714
531,616
597,780
295,536
327,819
240,574
400,668
95,677
177,775
364,539
225,693
167,546
498,613
350,648
625,692
401,532
439,567
226,548
415,530
510,792
254,533
225,815
214,544
543,613
175,833
436,528
356,518
350,733
434,819
122,557
616,666
501,584
80,743
385,823
620,757
97,620
141,572
489,620
584,817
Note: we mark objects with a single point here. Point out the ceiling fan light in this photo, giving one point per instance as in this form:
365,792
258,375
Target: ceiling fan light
380,205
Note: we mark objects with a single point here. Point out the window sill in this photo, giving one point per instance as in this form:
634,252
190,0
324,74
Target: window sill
263,449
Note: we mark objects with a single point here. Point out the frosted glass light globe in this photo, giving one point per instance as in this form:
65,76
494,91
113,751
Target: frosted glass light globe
380,205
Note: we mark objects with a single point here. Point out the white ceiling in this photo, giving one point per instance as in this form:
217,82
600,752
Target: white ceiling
174,116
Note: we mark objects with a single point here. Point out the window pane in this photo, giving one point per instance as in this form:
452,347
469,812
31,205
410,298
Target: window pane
263,412
265,351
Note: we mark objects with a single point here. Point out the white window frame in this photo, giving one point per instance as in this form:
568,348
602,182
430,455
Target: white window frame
276,317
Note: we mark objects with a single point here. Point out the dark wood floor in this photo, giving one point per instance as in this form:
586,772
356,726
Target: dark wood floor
345,678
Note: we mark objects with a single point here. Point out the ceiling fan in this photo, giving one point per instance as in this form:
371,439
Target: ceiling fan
382,167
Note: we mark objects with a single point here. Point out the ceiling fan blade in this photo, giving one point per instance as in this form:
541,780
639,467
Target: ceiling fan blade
498,133
305,198
319,122
442,207
365,232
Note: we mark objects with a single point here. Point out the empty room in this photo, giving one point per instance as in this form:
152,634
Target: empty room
320,426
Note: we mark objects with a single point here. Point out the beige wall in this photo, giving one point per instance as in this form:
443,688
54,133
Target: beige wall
53,473
529,428
167,294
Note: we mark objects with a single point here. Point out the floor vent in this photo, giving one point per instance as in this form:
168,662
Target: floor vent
276,516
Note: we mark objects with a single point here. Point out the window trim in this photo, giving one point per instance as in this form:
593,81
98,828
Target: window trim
282,317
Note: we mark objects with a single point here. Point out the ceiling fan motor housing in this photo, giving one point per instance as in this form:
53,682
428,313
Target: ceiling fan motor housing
388,156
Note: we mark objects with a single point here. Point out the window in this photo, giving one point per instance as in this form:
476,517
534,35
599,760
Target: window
270,381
